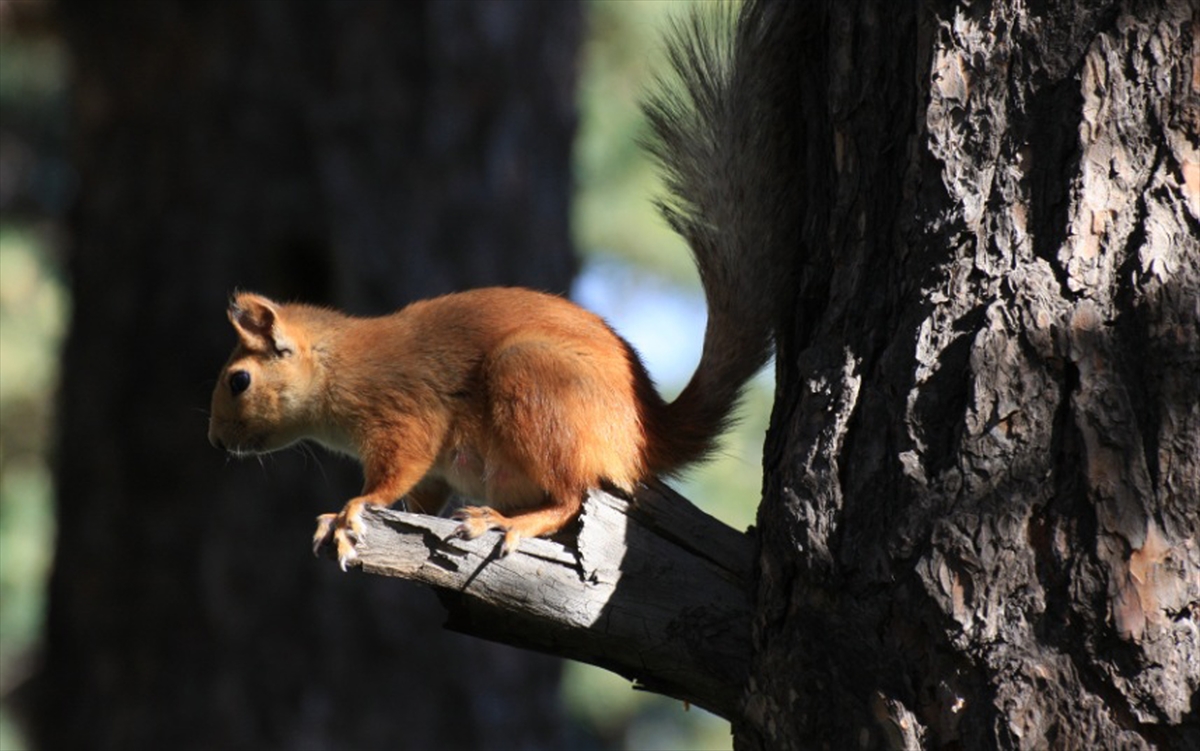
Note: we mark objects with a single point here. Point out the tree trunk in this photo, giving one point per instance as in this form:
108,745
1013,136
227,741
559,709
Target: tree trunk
359,154
983,473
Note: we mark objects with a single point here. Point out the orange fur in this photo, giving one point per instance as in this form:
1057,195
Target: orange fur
515,398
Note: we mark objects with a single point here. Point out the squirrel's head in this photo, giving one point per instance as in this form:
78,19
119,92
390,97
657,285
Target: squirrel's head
268,393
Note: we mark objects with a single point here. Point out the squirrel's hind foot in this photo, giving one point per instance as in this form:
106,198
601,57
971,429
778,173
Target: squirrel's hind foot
475,520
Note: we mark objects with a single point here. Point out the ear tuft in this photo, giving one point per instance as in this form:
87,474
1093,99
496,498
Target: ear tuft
252,313
257,321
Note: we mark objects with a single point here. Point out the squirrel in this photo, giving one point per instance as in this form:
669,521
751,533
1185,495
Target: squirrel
523,400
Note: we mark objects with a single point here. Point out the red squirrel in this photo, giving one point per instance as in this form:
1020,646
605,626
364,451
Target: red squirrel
522,400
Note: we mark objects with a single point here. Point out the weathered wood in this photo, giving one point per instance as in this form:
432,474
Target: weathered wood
656,590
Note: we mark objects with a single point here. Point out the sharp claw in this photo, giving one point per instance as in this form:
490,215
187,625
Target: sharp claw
511,542
324,522
346,552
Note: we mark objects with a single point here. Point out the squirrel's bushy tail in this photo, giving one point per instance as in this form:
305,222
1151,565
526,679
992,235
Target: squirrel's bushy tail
724,130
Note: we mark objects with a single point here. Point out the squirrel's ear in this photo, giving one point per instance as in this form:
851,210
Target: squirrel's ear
258,324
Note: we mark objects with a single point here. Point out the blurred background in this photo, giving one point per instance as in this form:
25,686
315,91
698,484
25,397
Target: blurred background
632,270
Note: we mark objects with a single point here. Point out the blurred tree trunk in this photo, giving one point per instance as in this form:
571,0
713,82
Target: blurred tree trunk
360,154
983,474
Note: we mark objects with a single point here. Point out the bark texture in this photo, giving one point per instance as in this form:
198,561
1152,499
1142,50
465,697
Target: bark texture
983,474
360,154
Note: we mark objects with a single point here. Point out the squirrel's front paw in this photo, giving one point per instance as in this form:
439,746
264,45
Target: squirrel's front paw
345,529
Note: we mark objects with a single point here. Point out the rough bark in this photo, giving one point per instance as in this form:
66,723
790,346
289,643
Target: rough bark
982,496
653,589
361,154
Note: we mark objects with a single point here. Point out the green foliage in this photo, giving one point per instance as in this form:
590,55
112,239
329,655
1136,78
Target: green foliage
32,73
622,718
613,210
33,316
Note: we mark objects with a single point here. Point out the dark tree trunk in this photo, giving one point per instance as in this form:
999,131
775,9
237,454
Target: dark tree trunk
983,473
361,154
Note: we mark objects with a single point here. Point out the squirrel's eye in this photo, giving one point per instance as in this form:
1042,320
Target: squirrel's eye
239,381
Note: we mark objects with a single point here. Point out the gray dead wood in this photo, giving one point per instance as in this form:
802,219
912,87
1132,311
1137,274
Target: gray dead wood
656,590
